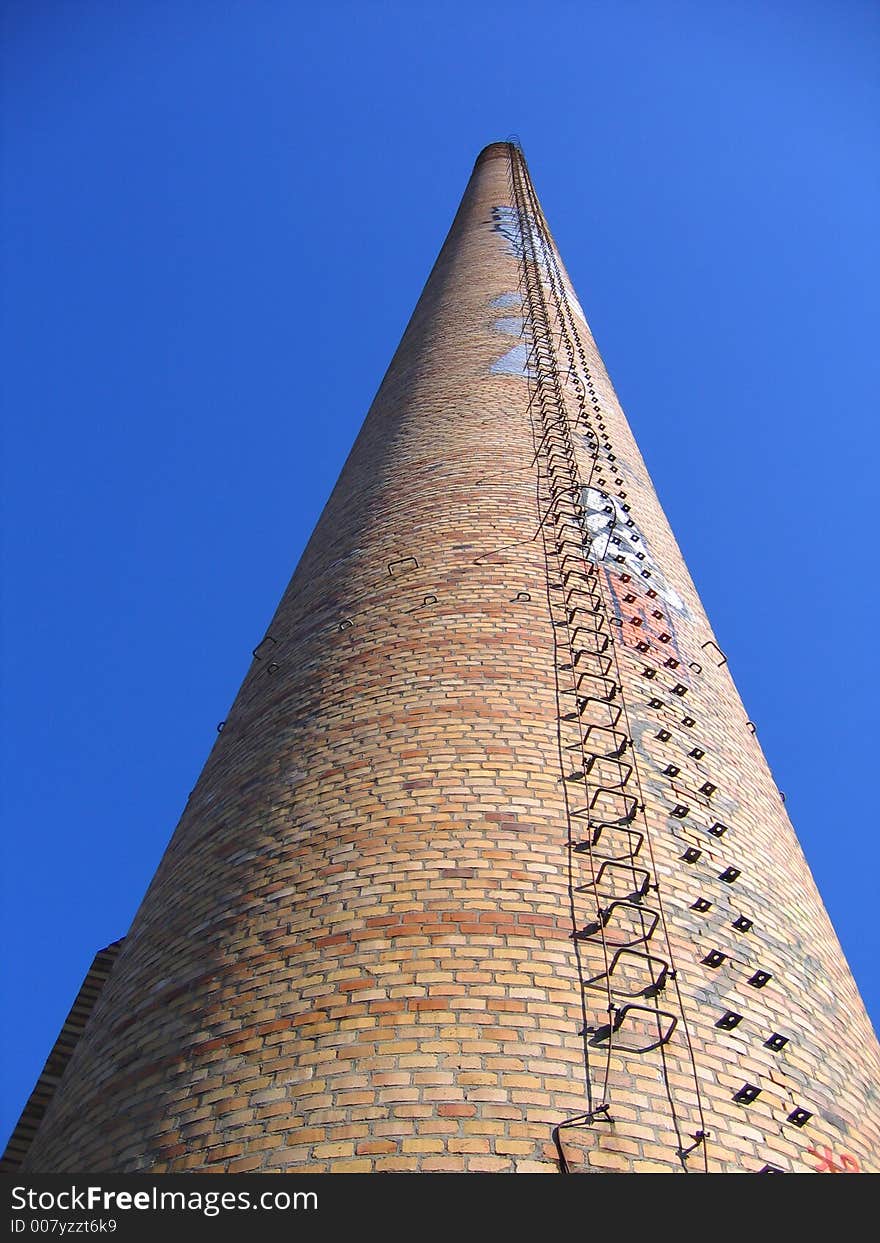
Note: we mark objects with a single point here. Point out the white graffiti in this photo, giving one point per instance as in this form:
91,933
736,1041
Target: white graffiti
506,221
615,536
514,361
506,302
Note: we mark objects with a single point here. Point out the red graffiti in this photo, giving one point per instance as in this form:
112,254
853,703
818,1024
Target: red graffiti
834,1163
636,619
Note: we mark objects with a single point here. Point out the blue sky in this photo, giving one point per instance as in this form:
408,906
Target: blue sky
218,218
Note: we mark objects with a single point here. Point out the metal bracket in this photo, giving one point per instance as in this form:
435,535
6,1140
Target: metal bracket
608,865
402,565
657,982
710,643
605,915
666,1025
264,646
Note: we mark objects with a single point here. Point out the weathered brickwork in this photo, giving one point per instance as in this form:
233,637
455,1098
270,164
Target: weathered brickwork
59,1055
486,870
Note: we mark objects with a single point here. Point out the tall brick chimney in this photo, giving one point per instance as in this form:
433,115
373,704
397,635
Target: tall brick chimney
486,870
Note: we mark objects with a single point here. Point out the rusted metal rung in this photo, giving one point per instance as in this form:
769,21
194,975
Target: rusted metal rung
603,688
603,664
658,978
620,1015
585,703
578,569
600,834
617,743
588,761
610,866
627,815
605,914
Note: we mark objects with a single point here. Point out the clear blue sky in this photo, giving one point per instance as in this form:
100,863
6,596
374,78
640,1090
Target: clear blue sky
217,220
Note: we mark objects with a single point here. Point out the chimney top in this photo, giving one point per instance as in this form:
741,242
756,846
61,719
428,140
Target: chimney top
494,149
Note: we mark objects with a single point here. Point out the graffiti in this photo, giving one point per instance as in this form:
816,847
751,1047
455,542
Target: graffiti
505,220
506,302
637,587
613,532
514,361
615,535
834,1163
641,600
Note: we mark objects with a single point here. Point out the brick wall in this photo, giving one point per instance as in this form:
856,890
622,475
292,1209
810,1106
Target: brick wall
56,1063
383,937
